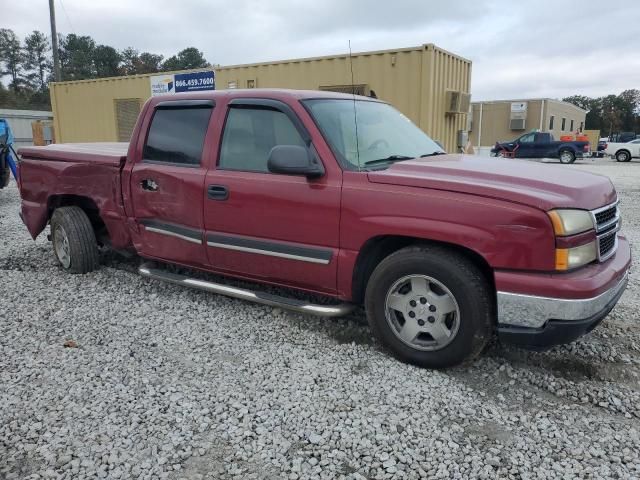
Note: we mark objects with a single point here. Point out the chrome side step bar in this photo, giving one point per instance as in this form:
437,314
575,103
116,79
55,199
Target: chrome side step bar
300,306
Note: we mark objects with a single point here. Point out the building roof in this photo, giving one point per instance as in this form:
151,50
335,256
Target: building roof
426,46
554,100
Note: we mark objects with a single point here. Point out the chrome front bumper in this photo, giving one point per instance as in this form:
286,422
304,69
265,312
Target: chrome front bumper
527,311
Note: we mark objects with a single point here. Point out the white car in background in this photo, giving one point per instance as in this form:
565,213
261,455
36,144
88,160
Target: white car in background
624,152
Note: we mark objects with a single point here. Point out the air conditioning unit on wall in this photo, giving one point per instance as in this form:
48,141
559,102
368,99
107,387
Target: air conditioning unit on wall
517,124
518,116
457,102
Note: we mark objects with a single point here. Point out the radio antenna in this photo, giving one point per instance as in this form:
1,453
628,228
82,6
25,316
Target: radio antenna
355,112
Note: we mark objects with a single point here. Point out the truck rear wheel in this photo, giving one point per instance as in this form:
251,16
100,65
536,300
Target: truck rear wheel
567,156
623,156
74,241
430,306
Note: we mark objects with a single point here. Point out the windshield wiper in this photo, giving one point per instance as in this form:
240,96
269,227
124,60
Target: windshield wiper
433,154
390,158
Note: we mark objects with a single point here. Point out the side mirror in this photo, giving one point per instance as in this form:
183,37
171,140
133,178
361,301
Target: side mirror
294,160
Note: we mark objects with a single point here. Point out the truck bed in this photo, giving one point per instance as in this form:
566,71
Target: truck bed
109,153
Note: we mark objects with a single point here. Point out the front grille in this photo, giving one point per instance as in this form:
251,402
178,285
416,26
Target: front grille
606,217
607,221
606,245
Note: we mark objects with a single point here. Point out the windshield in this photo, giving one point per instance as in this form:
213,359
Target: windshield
384,134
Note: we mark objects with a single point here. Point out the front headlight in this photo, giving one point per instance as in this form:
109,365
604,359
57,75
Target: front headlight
569,222
570,258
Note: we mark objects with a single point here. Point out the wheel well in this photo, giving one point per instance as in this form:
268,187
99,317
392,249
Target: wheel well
378,248
623,150
88,206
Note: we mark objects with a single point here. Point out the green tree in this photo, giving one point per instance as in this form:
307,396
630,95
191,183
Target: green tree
106,61
11,58
36,60
149,63
76,56
186,59
129,59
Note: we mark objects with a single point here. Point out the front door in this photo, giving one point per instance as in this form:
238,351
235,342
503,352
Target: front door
526,146
282,229
168,181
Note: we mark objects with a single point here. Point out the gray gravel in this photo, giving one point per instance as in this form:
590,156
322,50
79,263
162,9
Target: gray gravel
110,375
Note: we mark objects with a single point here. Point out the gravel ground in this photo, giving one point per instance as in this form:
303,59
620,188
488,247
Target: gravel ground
110,375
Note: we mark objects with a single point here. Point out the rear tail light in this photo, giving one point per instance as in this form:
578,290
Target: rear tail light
586,147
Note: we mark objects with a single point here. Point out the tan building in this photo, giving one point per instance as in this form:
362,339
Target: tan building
502,120
429,85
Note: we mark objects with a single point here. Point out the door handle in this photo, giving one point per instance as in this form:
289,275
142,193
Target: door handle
217,192
149,185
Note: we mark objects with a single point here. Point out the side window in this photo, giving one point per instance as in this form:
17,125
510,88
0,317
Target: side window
528,138
177,135
250,134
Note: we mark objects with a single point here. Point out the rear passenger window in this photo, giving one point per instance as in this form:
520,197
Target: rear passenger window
249,136
177,134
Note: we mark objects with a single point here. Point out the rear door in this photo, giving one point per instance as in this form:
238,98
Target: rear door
278,228
168,180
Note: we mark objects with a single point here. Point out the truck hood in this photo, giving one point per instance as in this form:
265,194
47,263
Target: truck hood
530,183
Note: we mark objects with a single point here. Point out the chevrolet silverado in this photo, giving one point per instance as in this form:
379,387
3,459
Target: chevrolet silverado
341,196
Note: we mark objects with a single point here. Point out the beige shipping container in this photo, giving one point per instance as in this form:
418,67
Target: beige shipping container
419,81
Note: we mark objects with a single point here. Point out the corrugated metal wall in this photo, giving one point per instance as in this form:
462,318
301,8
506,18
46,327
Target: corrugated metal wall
415,80
20,122
85,111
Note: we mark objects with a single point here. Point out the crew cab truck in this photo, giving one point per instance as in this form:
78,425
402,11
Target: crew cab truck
542,145
279,187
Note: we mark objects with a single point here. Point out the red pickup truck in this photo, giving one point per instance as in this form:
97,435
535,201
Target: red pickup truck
344,197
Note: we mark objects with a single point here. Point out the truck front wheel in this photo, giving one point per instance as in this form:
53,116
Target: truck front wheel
74,241
430,306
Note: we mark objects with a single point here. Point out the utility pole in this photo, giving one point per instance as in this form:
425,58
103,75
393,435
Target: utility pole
54,41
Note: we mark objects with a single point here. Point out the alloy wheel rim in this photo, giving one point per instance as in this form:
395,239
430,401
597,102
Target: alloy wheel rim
565,157
61,245
422,312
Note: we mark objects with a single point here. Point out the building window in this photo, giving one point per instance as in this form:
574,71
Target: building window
176,135
251,83
571,126
551,119
564,124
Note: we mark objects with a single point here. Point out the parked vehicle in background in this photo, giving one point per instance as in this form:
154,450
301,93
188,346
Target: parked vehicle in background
623,137
624,152
6,149
541,145
602,145
280,187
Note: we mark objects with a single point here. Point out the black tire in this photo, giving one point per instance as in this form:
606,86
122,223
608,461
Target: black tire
623,156
566,156
81,243
464,280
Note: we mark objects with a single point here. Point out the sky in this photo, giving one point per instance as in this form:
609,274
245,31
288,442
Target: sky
519,48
